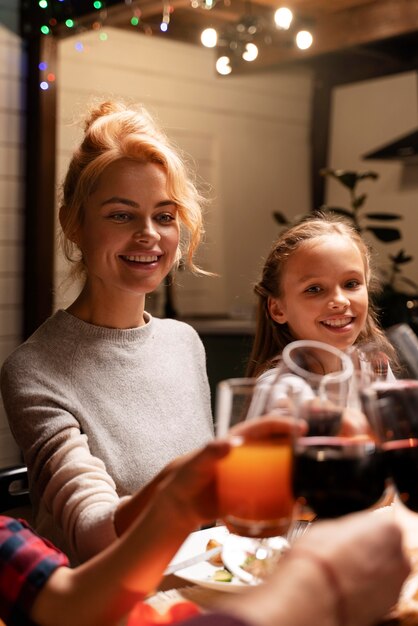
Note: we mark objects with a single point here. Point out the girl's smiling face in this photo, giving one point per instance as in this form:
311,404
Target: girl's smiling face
324,292
130,232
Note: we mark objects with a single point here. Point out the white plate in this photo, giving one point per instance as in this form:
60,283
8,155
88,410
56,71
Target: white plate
202,573
237,549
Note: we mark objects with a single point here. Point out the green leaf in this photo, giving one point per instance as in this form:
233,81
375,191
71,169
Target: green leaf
280,218
401,258
368,174
385,234
348,178
387,217
359,201
345,177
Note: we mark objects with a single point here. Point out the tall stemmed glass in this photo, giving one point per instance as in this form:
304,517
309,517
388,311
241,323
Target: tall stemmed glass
337,465
254,479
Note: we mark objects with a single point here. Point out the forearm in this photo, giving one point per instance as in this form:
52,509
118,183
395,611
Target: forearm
129,510
102,590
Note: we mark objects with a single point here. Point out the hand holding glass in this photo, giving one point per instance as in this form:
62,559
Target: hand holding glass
254,480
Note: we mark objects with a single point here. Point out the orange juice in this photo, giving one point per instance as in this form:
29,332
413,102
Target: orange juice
254,487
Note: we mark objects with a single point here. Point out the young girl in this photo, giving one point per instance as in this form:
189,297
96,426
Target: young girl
102,396
315,285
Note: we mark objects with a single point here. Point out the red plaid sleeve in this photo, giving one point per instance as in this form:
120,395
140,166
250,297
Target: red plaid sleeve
26,563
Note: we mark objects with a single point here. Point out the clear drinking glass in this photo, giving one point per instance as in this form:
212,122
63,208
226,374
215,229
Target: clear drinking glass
337,467
254,479
392,409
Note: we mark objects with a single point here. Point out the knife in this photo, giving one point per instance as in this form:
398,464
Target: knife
199,558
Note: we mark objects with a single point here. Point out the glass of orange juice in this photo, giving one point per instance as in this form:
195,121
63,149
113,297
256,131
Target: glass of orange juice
254,479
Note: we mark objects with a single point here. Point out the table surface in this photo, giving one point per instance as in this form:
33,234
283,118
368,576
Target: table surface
173,589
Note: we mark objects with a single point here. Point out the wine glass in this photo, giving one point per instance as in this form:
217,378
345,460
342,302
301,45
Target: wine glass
254,479
371,365
337,467
392,408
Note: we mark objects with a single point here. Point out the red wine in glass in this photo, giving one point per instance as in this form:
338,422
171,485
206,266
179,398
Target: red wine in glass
335,476
322,420
401,458
392,408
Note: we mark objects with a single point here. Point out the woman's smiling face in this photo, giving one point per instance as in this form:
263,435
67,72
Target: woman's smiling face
130,232
324,292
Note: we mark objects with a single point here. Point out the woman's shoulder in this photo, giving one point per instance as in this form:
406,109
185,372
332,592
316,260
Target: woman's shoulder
47,344
178,327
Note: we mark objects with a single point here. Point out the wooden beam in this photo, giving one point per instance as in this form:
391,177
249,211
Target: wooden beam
345,31
320,130
39,183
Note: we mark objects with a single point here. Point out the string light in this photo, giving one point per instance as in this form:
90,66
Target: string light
166,18
209,37
283,18
223,66
238,41
250,53
304,39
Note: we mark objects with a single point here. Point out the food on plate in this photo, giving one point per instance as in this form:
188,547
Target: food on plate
222,576
217,559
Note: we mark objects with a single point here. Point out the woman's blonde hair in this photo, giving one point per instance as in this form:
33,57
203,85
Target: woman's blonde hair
114,130
271,337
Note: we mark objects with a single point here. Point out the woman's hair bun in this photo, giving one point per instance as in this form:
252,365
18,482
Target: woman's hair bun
101,110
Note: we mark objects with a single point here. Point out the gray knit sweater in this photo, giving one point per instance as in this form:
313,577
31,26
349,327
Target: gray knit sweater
97,413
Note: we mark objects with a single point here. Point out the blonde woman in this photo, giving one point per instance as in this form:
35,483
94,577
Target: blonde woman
103,395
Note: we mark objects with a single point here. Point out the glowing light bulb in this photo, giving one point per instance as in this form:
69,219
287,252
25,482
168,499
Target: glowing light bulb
69,23
223,66
43,4
134,20
250,53
304,39
44,85
164,27
45,29
209,37
283,18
